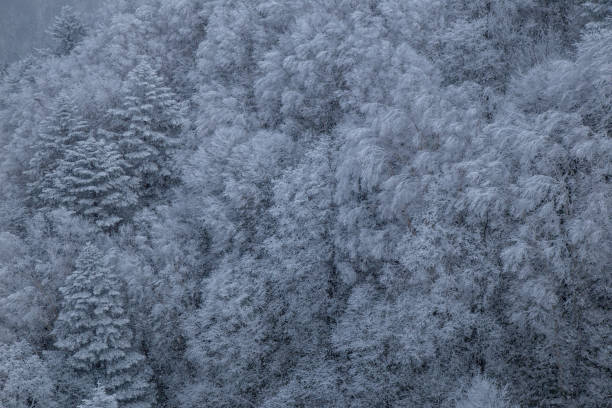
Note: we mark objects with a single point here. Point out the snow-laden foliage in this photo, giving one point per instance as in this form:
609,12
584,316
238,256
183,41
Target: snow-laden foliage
91,181
145,129
93,331
24,378
100,399
60,131
483,393
67,31
345,203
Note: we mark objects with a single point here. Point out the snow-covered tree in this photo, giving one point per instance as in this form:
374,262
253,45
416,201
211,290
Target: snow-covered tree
484,393
233,324
100,399
67,31
93,331
146,130
302,81
24,379
545,177
61,130
305,275
91,181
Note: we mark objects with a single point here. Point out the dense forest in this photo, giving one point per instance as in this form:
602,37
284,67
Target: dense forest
309,203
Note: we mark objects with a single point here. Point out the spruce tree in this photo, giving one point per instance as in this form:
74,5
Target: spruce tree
67,31
62,128
93,330
100,399
91,181
146,129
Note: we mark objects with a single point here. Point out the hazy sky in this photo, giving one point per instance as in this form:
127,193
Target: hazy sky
23,24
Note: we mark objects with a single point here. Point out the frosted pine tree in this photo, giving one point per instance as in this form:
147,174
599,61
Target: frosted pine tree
91,181
146,129
93,330
61,129
67,31
100,399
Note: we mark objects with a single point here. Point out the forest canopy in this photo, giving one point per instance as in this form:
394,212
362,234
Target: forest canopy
308,203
